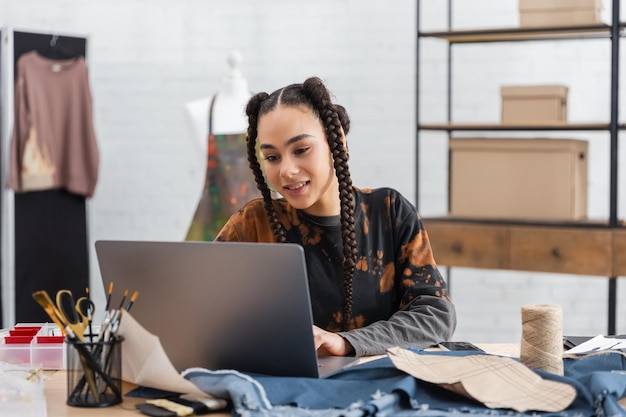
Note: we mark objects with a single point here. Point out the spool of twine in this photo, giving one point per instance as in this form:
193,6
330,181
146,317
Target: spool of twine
542,337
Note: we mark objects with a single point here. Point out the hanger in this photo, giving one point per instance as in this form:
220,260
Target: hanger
56,50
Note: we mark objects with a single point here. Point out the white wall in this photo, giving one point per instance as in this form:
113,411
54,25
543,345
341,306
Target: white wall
148,58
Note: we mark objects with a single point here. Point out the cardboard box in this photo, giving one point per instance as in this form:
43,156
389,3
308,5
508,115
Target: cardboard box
534,104
548,5
547,13
573,17
526,179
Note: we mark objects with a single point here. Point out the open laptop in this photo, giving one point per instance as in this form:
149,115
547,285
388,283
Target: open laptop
221,305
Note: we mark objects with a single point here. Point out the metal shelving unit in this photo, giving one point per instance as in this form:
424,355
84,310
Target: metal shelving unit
455,38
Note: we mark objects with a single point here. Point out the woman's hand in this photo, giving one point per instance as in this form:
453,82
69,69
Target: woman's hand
331,344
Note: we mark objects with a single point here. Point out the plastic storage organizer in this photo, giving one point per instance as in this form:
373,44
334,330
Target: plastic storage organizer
34,345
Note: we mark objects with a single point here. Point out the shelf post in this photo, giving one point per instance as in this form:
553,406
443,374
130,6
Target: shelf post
614,132
614,123
417,107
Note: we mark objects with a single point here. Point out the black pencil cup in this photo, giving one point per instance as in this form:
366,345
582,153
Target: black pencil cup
94,373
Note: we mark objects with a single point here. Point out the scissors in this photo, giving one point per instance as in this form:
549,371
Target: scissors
75,314
59,314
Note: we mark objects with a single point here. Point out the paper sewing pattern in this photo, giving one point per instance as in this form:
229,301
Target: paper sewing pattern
495,381
145,363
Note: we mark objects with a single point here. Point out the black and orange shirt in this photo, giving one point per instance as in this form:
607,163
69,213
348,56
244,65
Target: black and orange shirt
399,296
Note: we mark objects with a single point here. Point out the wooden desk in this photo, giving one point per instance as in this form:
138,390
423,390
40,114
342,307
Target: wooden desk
56,396
511,349
56,391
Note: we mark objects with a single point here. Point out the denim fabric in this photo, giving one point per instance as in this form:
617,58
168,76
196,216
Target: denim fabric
377,388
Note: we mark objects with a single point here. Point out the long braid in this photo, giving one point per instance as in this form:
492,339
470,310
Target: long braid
252,110
318,94
314,95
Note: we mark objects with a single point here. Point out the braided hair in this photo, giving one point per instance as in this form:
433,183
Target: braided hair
313,95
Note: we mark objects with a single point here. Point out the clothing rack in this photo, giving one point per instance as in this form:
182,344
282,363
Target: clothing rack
44,233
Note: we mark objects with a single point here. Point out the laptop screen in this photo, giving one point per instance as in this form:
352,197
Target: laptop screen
219,305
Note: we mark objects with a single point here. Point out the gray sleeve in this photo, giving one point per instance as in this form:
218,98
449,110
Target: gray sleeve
425,321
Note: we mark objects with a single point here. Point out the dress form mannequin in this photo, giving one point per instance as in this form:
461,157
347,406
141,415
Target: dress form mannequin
219,125
229,108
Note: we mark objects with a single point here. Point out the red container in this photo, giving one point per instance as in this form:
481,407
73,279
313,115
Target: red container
50,339
13,340
21,331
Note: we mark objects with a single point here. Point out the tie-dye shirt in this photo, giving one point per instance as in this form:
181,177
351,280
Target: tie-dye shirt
399,296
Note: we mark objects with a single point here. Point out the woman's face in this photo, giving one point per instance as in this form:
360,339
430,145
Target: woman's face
297,159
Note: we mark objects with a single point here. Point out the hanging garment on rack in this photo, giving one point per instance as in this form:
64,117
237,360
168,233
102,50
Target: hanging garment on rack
228,183
51,246
51,249
54,143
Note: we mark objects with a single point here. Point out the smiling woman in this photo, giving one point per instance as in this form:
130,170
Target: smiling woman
373,280
292,160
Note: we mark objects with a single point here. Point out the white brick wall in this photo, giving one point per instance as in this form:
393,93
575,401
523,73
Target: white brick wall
148,58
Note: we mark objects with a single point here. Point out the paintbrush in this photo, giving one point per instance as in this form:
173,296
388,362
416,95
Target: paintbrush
106,307
132,300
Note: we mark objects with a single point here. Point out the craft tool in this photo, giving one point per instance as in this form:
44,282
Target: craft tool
132,300
87,361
